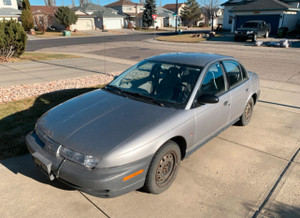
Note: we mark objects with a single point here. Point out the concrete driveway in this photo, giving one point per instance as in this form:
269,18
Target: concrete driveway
251,171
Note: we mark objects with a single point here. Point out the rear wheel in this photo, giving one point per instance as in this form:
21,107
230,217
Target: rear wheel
163,168
247,114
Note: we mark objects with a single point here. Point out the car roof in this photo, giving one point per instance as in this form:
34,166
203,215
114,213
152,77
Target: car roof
195,59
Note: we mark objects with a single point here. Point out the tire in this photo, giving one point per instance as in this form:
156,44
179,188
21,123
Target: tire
267,34
247,114
163,168
254,38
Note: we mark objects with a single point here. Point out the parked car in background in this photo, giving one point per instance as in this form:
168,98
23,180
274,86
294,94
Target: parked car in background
134,132
252,30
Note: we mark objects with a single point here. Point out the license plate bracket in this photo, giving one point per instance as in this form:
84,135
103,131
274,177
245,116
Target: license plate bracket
44,163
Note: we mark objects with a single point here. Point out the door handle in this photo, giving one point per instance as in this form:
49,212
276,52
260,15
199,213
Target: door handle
225,103
247,90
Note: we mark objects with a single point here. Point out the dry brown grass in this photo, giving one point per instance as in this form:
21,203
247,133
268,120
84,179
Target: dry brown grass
188,38
58,34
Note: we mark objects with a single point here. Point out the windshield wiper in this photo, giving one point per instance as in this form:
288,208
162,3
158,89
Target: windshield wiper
146,98
139,96
114,89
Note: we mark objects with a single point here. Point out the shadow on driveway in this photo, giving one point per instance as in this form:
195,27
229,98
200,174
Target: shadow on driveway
14,128
24,165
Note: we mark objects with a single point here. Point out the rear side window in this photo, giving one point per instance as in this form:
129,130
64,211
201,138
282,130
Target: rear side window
233,72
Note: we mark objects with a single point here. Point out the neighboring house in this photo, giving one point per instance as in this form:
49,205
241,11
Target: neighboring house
9,10
167,17
172,7
284,13
164,18
128,8
218,19
46,13
92,16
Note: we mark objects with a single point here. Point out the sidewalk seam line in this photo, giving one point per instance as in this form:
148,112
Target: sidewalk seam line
99,209
275,185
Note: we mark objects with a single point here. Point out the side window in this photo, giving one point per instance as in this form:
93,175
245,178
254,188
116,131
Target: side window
233,73
213,81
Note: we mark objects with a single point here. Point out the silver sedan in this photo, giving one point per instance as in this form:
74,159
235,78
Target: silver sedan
134,132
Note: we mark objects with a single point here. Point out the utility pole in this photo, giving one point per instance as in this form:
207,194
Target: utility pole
176,11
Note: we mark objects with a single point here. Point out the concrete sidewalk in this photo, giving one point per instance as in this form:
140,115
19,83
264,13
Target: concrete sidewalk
42,71
233,175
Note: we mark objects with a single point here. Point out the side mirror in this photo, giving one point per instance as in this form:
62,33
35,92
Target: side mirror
208,99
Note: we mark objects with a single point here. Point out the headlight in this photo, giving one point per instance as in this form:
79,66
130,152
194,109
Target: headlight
249,32
235,32
86,160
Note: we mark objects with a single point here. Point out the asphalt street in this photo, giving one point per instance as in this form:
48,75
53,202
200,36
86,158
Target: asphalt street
251,171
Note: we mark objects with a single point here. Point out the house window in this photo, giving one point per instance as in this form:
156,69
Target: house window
230,19
7,2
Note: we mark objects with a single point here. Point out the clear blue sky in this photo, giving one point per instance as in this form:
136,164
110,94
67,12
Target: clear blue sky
103,2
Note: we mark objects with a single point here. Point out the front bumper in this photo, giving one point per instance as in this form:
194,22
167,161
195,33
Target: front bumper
101,182
243,36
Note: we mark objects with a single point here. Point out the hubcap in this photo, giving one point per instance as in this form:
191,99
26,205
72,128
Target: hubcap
248,112
166,168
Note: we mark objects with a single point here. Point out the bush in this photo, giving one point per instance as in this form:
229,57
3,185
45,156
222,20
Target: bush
13,39
26,16
66,17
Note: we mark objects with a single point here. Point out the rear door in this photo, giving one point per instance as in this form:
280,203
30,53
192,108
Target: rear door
239,87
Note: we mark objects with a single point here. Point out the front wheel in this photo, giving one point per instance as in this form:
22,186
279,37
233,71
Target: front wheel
267,34
247,114
254,38
163,168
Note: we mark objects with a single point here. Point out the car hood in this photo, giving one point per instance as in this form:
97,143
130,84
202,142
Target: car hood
246,29
97,122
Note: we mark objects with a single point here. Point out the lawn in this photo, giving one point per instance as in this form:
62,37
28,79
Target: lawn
37,56
18,118
189,38
40,34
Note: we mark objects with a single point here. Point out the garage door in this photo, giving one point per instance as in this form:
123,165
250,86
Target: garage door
271,19
158,23
111,24
83,24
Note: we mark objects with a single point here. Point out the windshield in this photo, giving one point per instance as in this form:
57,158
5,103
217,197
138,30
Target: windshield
250,24
165,84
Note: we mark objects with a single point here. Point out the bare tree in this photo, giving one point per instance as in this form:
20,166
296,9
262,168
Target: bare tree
82,2
50,2
210,9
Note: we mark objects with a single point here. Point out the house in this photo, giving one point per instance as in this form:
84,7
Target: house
167,17
92,16
130,9
172,7
46,13
279,13
9,10
164,18
218,18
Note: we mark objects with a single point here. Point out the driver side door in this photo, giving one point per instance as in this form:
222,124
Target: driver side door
211,118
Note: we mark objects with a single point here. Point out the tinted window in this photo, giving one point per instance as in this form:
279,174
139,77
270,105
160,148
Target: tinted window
213,81
233,72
